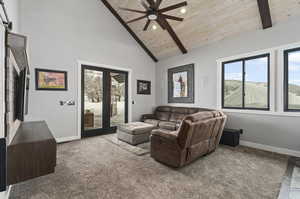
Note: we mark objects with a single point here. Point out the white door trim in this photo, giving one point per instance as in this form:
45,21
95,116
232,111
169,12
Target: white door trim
2,81
80,63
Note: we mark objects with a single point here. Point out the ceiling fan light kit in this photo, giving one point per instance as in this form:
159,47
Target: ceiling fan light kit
152,16
153,12
183,10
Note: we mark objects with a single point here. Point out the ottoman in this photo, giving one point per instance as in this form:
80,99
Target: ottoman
135,133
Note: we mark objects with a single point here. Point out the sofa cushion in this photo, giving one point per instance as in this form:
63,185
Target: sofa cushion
176,117
193,110
183,133
205,115
167,125
196,110
181,110
165,133
163,109
163,116
152,121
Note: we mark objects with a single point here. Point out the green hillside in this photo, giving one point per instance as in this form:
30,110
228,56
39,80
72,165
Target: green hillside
256,94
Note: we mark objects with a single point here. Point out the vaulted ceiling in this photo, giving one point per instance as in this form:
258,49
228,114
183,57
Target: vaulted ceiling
206,21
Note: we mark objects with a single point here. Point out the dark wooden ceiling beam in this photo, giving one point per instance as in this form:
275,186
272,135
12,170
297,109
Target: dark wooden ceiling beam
172,33
265,13
114,12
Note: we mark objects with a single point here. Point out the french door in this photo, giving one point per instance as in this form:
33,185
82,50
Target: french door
104,100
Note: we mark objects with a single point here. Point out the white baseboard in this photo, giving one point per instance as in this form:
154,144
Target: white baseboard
67,139
271,148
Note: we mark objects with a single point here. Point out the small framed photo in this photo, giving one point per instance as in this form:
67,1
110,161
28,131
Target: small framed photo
51,80
143,87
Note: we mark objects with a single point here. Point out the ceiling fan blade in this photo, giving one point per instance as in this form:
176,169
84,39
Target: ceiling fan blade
136,19
151,3
132,10
147,25
174,35
144,4
160,23
179,5
158,2
172,17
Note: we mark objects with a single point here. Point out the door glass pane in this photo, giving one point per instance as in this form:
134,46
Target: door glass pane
294,80
118,95
233,85
93,95
256,83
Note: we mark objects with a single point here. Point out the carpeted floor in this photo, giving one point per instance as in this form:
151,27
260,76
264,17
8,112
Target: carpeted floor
140,149
96,168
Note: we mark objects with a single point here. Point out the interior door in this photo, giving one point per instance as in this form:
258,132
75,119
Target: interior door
104,100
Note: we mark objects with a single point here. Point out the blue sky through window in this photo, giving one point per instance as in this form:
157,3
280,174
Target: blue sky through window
294,68
256,70
233,71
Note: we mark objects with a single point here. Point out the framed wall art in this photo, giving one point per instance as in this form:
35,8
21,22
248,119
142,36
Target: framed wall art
143,87
51,80
181,84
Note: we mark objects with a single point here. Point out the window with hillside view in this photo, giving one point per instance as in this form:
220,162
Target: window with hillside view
292,80
246,83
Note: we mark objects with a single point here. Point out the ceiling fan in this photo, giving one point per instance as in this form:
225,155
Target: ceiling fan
153,12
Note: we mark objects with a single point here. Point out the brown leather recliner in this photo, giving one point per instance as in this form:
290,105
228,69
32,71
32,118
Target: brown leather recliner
199,134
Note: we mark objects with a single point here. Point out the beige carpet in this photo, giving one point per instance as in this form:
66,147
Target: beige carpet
140,149
96,168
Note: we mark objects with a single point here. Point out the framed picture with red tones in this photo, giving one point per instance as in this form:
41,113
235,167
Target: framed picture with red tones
51,80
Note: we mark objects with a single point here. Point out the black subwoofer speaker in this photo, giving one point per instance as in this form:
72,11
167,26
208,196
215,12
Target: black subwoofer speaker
231,137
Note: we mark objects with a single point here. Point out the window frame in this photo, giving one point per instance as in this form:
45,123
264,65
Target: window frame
286,79
243,60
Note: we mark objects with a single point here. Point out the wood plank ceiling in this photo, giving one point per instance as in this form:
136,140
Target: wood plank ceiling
206,21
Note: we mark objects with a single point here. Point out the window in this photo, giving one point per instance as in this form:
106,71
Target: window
246,83
292,80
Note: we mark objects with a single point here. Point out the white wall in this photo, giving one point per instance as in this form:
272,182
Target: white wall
277,131
60,32
12,8
2,80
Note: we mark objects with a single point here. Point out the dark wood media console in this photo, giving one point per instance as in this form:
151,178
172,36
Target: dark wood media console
2,164
32,153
